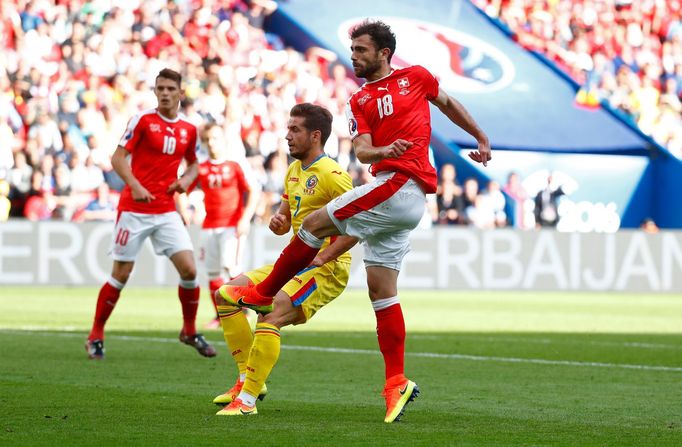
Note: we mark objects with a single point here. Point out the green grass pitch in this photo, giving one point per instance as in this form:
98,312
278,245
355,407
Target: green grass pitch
495,369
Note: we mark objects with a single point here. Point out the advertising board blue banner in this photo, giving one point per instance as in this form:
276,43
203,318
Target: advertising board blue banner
503,86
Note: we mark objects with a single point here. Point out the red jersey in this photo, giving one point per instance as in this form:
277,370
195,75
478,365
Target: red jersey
224,185
393,107
156,145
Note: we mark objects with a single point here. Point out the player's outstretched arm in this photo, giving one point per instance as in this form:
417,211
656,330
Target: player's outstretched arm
120,164
280,223
456,112
367,153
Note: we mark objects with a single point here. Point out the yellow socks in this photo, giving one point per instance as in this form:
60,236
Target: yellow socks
260,352
263,356
237,333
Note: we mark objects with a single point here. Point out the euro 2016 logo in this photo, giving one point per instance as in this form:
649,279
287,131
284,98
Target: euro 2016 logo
352,126
310,185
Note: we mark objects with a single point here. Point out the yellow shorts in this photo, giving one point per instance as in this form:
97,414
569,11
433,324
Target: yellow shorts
313,287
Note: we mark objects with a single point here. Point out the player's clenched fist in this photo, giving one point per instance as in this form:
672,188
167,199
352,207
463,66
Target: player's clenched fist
279,224
397,148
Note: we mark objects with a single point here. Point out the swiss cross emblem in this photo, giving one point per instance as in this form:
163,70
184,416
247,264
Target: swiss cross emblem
403,83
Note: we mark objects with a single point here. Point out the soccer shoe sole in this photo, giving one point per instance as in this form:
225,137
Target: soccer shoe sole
226,398
410,393
239,302
237,412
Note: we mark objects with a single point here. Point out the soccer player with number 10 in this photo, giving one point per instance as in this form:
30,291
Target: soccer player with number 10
156,140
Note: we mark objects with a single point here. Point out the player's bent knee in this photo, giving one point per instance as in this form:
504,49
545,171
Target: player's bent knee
219,300
280,320
284,314
188,271
184,264
314,224
319,224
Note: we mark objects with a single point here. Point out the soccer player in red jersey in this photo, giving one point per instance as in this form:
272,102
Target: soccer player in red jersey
230,202
389,122
156,140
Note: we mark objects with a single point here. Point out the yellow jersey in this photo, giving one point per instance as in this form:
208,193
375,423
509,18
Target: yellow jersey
307,188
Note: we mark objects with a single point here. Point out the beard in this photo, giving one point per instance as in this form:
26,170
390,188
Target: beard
368,70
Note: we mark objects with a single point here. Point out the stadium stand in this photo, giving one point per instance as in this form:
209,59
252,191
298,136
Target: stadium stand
627,53
71,72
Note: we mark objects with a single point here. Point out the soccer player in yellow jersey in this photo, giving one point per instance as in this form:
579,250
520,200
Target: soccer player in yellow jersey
312,181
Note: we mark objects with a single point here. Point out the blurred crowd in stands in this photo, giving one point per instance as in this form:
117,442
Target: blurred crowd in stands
72,72
627,53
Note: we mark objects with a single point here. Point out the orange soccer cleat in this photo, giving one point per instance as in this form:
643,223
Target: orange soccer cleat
232,393
398,393
246,296
237,408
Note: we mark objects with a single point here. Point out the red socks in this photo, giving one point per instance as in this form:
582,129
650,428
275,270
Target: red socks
189,299
106,301
109,295
213,286
295,257
391,335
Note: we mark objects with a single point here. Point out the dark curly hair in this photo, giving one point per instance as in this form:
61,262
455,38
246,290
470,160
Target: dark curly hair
381,34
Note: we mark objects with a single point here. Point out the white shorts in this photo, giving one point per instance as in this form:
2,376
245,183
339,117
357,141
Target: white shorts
221,250
382,214
167,232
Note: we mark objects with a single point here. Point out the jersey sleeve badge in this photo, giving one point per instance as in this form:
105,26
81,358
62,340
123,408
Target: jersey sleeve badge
352,126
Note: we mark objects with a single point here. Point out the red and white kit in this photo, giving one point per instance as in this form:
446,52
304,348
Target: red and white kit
383,212
224,185
156,145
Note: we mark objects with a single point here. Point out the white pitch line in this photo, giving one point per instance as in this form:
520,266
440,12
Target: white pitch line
482,358
478,358
501,339
547,341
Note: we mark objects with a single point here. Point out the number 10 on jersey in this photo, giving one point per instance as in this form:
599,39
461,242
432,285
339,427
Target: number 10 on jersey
385,105
168,145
